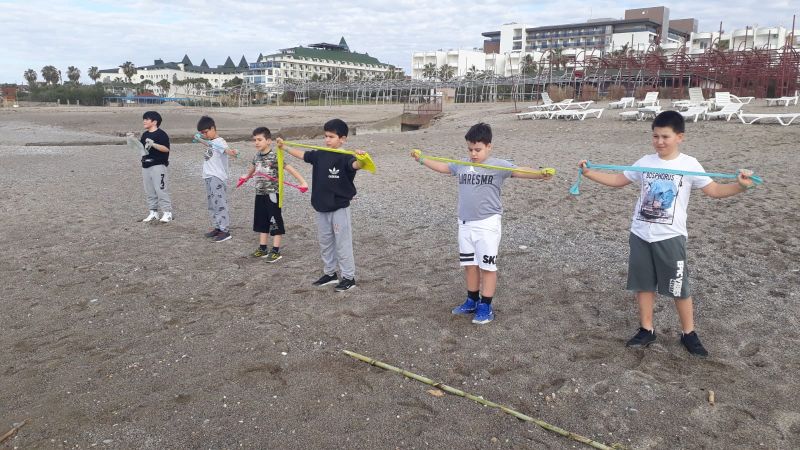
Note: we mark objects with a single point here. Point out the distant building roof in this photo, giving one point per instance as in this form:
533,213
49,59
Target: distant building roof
328,52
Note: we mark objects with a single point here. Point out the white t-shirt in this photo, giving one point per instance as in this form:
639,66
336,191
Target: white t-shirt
661,209
216,161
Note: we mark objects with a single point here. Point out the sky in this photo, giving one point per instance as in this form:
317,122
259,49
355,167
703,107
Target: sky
106,33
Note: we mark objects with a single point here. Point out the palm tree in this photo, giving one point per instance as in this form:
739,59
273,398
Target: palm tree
50,74
94,73
557,58
129,70
528,66
429,71
472,73
446,72
74,74
30,77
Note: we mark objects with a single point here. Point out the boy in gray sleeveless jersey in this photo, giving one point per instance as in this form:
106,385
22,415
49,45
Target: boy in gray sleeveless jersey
479,212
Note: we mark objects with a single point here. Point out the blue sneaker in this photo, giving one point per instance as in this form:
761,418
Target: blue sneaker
468,307
483,313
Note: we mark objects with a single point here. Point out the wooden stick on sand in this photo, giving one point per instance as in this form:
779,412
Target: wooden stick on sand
480,400
12,431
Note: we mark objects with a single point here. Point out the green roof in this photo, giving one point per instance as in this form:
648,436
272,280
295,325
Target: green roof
331,55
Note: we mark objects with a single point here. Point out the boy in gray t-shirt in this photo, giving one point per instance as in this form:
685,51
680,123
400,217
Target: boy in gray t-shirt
479,211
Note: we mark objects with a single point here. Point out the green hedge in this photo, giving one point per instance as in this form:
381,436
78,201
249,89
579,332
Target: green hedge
90,95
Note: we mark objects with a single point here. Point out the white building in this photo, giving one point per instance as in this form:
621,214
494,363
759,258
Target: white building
462,61
768,38
176,73
318,62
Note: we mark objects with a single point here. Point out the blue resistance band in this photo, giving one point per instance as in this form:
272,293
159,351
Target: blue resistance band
575,189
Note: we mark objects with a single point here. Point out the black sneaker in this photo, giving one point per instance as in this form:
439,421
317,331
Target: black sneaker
222,236
692,343
212,233
326,279
345,284
642,339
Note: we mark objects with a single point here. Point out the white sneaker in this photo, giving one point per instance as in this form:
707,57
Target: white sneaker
166,217
152,216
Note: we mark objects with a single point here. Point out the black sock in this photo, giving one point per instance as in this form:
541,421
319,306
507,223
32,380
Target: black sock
487,300
263,248
473,295
276,249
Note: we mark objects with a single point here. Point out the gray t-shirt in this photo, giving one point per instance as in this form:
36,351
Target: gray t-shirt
479,189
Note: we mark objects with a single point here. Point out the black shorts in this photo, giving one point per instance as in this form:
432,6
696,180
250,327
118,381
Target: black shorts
267,216
659,266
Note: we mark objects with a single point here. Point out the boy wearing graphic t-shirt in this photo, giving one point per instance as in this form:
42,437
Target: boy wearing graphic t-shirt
657,262
479,212
215,175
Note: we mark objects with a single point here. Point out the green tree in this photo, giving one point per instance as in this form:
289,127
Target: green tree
94,73
429,71
74,75
50,75
236,81
129,70
30,77
164,85
446,72
472,73
528,66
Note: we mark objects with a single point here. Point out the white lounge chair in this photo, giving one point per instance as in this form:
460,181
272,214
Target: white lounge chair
722,99
695,112
623,103
535,115
695,99
578,105
579,114
783,119
650,99
728,111
743,100
785,101
549,105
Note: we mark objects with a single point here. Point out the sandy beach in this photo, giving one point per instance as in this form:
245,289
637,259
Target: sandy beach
119,334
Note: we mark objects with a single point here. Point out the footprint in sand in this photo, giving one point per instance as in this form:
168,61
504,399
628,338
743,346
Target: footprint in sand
750,349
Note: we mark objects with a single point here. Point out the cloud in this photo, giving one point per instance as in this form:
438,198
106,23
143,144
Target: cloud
107,33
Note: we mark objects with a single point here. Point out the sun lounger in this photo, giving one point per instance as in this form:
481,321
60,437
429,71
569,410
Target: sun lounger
783,119
647,112
535,115
695,99
783,101
694,112
743,100
650,99
579,114
728,111
549,105
578,105
623,103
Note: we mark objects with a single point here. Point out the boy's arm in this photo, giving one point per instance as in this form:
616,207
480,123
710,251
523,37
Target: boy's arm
296,175
296,152
538,176
251,169
716,190
159,147
608,179
436,166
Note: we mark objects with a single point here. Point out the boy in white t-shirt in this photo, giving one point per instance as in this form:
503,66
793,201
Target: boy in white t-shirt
215,174
658,230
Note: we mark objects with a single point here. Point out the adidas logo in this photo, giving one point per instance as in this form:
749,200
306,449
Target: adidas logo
334,172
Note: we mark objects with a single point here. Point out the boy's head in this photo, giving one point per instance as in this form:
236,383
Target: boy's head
479,142
149,117
207,127
335,133
262,139
668,130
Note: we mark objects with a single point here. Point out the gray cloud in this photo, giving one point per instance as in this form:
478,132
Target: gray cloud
108,33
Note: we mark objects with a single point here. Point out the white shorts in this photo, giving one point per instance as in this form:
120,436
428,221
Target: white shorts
478,241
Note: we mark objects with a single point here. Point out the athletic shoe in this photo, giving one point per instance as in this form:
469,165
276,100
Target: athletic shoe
326,279
260,253
272,257
643,338
468,307
483,313
166,217
150,217
222,236
692,343
213,233
345,284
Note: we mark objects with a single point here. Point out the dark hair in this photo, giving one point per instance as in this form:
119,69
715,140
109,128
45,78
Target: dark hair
152,115
336,126
264,131
671,119
480,132
205,123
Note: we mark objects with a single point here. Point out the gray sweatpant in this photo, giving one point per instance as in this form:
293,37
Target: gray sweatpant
335,233
156,188
217,196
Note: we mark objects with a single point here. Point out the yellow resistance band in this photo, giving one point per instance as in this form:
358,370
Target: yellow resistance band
543,171
280,176
365,159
